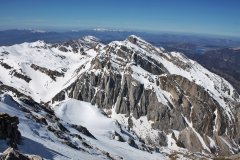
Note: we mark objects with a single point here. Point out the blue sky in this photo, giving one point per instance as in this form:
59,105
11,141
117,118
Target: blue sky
220,17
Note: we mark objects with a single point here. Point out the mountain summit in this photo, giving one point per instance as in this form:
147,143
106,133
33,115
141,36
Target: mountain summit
123,100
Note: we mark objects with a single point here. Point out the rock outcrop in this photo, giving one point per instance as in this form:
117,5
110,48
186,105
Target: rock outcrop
50,73
83,130
12,154
9,129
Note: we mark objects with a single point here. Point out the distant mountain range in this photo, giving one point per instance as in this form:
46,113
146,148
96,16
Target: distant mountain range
10,37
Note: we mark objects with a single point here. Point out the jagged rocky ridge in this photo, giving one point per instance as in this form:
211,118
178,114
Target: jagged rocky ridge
186,105
171,101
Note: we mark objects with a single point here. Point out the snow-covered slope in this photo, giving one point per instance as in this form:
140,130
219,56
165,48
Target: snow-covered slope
102,127
133,98
45,68
38,139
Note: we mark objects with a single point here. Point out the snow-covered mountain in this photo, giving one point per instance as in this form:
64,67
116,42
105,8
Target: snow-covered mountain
107,30
125,100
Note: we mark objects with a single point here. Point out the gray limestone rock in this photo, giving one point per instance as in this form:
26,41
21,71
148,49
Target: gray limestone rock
190,110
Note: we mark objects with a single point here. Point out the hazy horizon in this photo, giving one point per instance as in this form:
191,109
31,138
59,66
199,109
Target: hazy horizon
194,17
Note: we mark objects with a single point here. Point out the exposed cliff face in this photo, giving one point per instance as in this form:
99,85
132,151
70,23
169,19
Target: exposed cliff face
202,115
184,102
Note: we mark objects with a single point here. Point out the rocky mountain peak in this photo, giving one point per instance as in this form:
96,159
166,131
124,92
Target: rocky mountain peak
137,79
164,98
